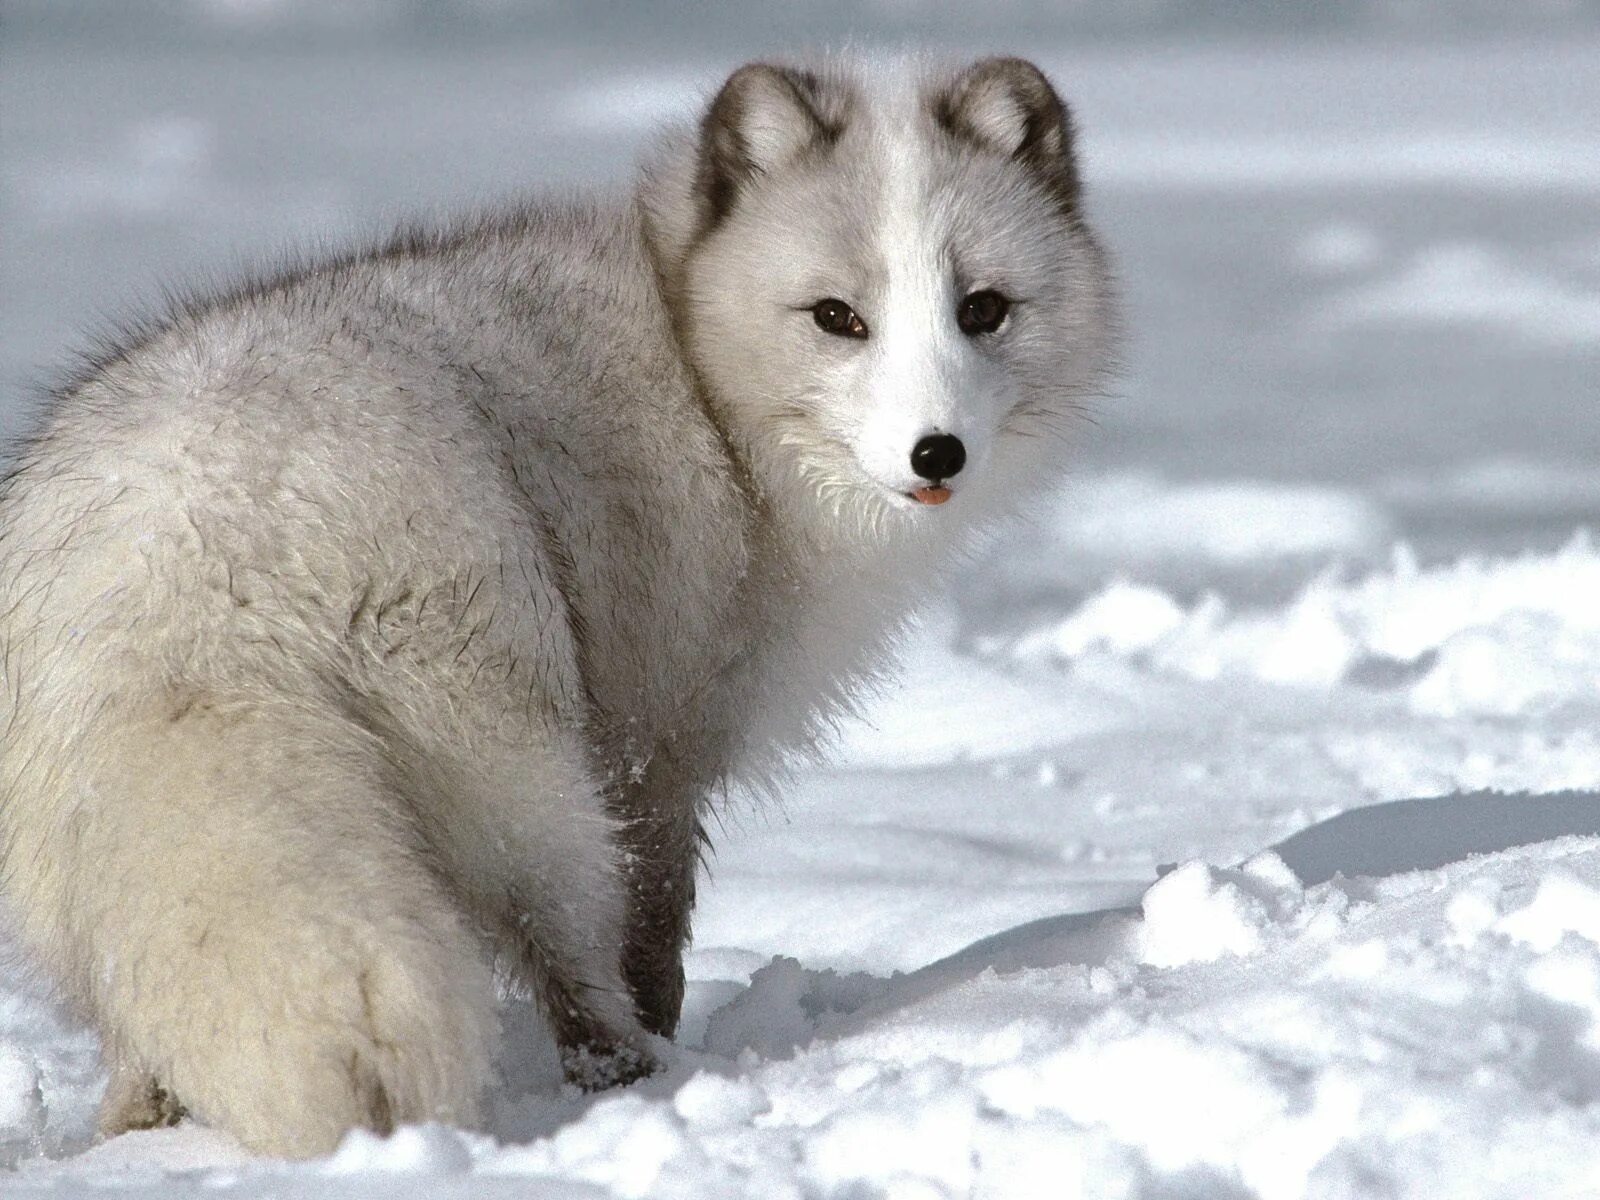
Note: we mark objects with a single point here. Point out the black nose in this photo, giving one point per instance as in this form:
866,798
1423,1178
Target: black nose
938,456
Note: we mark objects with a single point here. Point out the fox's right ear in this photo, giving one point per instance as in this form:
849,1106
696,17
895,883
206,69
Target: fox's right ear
1007,106
764,117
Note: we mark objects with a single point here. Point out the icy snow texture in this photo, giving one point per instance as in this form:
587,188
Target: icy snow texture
1235,1031
1438,1026
1468,638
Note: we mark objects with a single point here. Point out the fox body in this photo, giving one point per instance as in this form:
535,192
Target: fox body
380,622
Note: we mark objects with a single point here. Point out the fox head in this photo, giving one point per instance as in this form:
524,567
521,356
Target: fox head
885,284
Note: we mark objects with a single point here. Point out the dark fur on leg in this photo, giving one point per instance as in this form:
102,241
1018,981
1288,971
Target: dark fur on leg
135,1100
593,1055
662,845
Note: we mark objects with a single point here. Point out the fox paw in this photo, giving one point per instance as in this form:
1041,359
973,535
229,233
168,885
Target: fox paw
594,1068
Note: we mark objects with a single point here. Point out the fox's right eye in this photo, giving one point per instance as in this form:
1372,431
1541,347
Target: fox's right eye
835,316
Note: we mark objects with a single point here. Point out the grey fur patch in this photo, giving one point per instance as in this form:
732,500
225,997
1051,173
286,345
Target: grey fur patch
1007,106
763,116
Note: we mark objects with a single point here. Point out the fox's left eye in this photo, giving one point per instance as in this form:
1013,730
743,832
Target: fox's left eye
837,317
982,312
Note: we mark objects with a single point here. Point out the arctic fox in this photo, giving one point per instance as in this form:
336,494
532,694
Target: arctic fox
388,620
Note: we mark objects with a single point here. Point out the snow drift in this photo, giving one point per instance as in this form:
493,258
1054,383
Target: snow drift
1401,999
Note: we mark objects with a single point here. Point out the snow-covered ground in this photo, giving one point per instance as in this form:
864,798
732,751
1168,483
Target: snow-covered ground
950,967
1234,830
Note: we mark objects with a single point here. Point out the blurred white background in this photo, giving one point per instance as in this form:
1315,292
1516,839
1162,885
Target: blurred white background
1360,241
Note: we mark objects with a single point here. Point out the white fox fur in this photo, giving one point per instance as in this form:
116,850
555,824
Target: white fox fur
375,622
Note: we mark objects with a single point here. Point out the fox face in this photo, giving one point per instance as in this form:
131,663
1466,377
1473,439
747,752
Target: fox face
889,290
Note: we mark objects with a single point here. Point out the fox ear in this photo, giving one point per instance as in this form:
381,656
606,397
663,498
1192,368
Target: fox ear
1006,105
763,117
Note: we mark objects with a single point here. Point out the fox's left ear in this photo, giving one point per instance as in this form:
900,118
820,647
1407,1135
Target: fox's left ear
1008,106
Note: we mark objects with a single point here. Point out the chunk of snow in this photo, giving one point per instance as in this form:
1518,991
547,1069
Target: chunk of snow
1194,914
411,1149
1124,618
1562,905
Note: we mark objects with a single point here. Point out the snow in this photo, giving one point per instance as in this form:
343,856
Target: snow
1233,829
1218,522
1473,285
1400,993
1344,1039
1470,637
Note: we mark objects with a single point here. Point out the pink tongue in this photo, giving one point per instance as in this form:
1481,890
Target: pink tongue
931,495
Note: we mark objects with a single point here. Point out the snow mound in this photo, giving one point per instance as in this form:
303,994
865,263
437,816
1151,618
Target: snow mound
1227,521
1251,536
1473,285
1149,525
1440,1025
1198,913
1493,637
780,1011
1370,1044
1502,484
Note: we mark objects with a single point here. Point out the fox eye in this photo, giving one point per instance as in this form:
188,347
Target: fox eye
982,312
835,316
